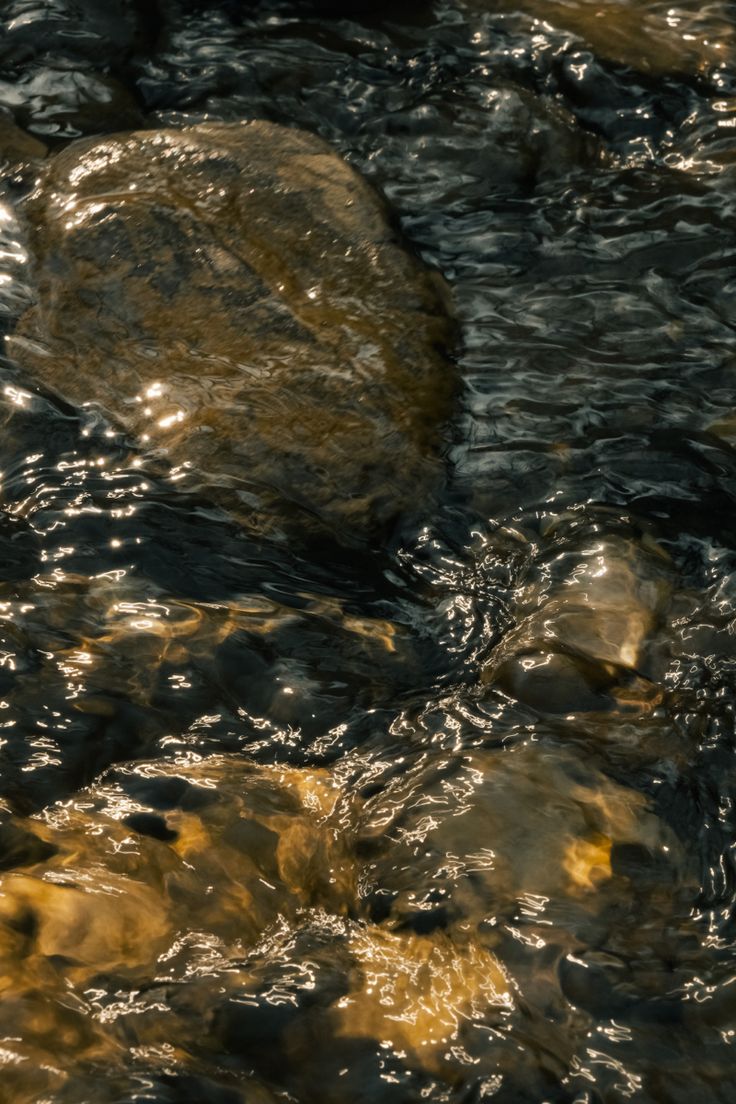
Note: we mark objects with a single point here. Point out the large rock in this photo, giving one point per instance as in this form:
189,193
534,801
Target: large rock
234,296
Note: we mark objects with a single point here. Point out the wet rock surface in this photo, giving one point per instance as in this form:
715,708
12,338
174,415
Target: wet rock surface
234,297
149,869
586,627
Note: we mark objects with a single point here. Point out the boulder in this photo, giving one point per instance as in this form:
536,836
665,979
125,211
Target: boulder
234,297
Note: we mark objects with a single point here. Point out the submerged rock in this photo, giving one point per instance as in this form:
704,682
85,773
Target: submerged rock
127,669
361,1013
655,36
472,837
414,992
477,873
158,871
209,909
584,621
233,296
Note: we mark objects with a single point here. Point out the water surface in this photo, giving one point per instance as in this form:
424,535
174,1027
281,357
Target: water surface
448,817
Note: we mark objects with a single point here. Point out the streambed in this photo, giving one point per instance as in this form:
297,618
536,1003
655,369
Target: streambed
408,776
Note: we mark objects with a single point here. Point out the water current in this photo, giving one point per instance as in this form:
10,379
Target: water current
445,813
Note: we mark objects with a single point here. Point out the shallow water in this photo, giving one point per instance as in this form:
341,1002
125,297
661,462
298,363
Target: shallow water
449,816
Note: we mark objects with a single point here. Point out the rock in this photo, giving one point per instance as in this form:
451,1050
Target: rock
111,924
460,840
218,844
415,992
41,1032
219,904
449,151
333,1005
234,297
209,932
126,669
583,624
654,36
106,902
530,856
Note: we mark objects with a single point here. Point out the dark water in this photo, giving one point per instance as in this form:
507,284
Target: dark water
449,818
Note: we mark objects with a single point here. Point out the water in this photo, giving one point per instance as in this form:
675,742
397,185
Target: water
447,814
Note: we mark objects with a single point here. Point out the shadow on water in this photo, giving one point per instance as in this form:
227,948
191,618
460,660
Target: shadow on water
445,813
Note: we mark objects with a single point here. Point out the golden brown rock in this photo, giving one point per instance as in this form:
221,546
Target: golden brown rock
473,836
149,867
235,298
417,991
235,847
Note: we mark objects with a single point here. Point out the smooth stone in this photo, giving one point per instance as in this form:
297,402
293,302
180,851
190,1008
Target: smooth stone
234,297
584,623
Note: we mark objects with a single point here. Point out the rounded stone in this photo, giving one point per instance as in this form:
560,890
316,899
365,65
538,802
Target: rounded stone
234,296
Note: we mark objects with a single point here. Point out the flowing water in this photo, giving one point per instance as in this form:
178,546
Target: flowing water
447,815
